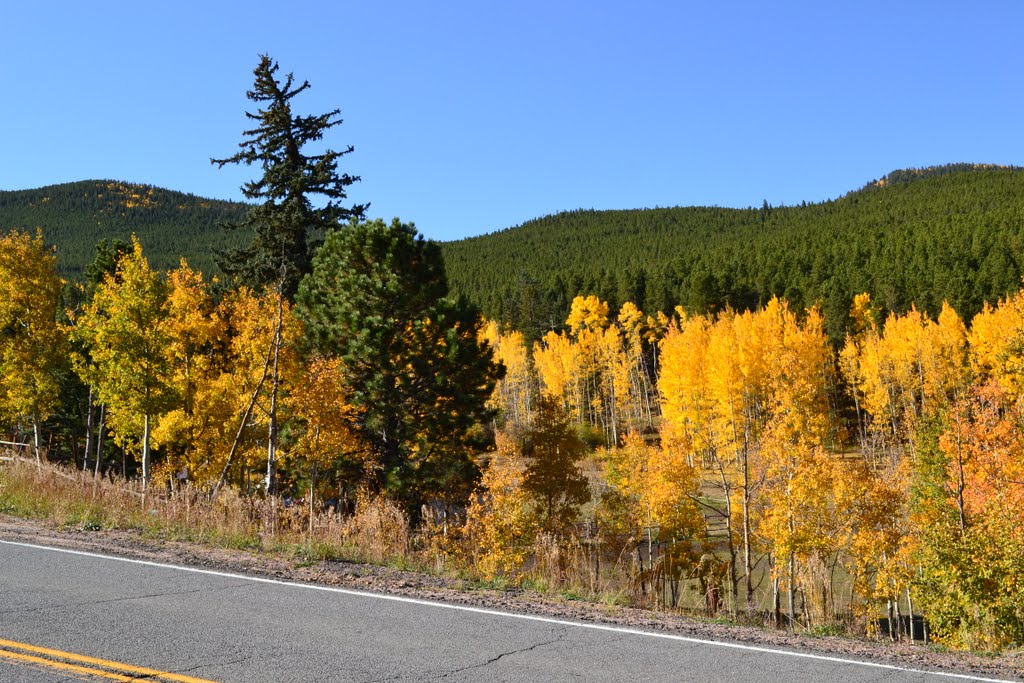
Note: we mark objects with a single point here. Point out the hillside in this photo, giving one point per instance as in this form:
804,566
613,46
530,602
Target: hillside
918,236
75,216
921,236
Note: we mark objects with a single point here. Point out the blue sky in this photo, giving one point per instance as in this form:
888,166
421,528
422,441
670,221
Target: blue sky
469,117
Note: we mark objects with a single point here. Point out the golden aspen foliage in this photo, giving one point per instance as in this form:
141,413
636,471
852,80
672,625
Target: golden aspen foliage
194,354
670,488
252,321
640,352
33,346
124,328
513,394
500,523
327,439
555,360
736,387
587,313
997,345
911,369
687,405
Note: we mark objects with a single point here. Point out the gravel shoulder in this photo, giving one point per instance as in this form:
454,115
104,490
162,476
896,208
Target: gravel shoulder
454,591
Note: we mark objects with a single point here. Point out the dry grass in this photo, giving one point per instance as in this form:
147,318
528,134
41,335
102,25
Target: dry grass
604,570
378,532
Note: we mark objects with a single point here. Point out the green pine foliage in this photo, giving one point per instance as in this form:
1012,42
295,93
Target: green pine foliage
419,375
919,236
285,224
76,216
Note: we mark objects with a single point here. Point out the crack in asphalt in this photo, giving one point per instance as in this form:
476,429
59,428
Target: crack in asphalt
127,598
501,656
439,677
204,665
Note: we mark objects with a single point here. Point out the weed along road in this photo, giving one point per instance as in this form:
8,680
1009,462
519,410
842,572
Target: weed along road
67,615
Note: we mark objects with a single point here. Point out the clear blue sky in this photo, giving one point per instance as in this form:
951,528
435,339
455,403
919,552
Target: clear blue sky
469,117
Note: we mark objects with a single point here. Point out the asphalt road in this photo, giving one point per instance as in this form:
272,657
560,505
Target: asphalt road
216,627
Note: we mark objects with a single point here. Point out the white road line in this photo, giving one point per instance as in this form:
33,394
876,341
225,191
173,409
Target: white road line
507,615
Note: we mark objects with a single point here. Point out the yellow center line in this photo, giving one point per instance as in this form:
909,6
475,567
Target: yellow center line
93,666
62,666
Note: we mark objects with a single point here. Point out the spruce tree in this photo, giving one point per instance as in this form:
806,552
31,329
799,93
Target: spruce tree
285,224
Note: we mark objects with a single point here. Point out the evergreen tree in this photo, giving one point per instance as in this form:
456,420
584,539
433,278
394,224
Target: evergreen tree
419,377
553,476
286,224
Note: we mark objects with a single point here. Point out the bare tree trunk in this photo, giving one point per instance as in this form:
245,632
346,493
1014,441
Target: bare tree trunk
146,475
747,564
274,386
241,427
792,591
88,431
99,440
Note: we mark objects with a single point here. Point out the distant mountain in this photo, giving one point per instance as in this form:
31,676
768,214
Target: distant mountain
171,225
917,236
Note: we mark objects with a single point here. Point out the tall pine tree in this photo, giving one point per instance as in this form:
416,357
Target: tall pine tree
286,225
418,374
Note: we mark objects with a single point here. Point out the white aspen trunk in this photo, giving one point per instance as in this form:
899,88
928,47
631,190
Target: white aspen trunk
145,452
35,440
88,431
99,440
275,382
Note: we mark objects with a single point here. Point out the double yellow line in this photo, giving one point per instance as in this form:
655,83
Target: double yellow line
22,653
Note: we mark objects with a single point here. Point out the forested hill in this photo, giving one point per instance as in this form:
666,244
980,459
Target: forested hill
916,236
75,216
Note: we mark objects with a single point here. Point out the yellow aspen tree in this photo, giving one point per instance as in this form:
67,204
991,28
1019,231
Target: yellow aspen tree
195,331
554,356
636,340
723,382
587,322
691,422
32,344
501,524
514,393
587,313
996,345
910,370
326,439
615,387
125,329
797,520
262,332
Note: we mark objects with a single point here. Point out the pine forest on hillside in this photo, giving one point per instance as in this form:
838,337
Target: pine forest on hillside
951,234
75,216
807,417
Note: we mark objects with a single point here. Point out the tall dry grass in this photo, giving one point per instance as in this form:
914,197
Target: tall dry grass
378,531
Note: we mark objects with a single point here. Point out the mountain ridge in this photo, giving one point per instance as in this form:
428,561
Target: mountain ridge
916,236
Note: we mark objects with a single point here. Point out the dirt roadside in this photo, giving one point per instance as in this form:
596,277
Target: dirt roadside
1008,666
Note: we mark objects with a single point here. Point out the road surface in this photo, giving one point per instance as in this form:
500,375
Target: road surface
69,616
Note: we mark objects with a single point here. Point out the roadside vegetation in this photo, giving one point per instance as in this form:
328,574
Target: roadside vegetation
329,398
